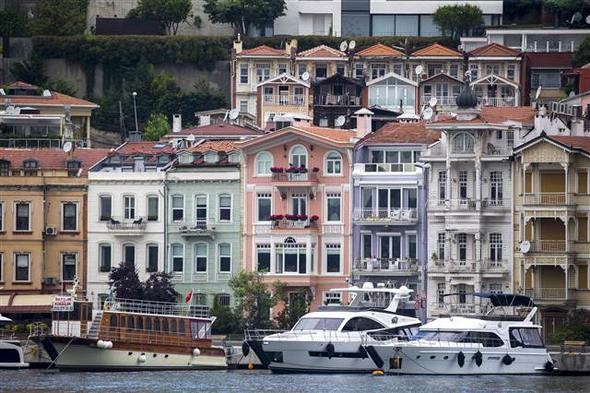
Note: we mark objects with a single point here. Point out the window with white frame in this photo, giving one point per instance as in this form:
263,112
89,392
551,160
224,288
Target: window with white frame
463,143
262,72
298,157
4,168
462,247
441,289
177,207
263,257
378,70
283,68
201,257
129,254
474,69
22,265
299,203
223,299
69,218
224,258
243,106
151,263
301,69
263,206
397,69
496,188
390,247
1,267
440,246
493,69
442,186
333,258
225,207
263,163
177,256
358,70
366,245
496,288
463,185
411,253
329,297
454,70
201,211
291,257
333,204
434,69
105,207
321,70
23,216
68,266
244,73
1,216
495,248
105,257
152,207
129,207
334,163
511,72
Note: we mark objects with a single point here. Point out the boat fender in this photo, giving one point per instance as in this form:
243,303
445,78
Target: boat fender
330,350
507,360
362,352
478,357
100,344
377,373
141,358
461,359
196,352
549,366
245,348
109,344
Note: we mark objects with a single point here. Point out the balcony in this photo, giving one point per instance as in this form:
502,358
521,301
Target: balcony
468,204
336,100
295,178
127,227
199,228
550,295
467,266
385,168
385,266
441,101
282,100
494,267
286,225
385,216
546,199
548,246
497,101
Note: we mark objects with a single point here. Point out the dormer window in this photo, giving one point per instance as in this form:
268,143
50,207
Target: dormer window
233,157
73,167
185,158
211,157
4,168
30,167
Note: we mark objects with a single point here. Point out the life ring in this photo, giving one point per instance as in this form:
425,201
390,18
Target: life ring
330,350
507,360
245,348
478,357
461,359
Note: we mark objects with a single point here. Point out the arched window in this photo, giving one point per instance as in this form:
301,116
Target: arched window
298,157
333,163
263,163
463,143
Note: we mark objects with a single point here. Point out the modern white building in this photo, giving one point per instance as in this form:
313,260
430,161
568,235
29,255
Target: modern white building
310,17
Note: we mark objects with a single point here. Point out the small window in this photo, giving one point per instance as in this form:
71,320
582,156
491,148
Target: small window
201,256
177,207
129,254
223,299
152,207
68,267
4,168
105,202
73,167
263,163
321,71
30,167
224,258
22,262
151,265
69,216
359,324
334,163
23,216
129,207
177,256
225,208
244,73
582,182
105,258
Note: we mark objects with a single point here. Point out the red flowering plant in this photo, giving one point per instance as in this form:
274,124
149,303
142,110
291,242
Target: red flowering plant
302,217
314,218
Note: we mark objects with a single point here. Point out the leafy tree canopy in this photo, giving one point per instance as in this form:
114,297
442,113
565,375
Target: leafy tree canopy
59,17
582,54
33,72
159,288
124,282
293,310
456,21
253,299
170,13
156,127
243,13
575,328
563,11
13,23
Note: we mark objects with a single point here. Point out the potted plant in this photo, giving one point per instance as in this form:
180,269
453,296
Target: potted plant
315,169
302,217
292,217
276,169
302,169
314,218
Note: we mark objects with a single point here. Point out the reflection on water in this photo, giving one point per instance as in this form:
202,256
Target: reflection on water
264,381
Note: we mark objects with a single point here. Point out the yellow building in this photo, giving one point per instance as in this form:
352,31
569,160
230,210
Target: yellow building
551,205
43,196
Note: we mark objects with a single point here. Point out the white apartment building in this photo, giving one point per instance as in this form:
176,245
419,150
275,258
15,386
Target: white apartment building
310,17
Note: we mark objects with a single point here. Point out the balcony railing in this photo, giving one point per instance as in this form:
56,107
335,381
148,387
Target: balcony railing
549,294
132,225
495,266
385,265
467,266
156,308
441,100
295,177
196,228
343,100
547,199
293,99
385,167
294,224
549,246
497,101
378,216
469,204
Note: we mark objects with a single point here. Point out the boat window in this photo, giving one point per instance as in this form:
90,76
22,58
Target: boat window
148,324
173,326
113,321
487,339
131,322
358,324
181,326
200,329
140,323
526,337
318,324
165,325
157,324
439,336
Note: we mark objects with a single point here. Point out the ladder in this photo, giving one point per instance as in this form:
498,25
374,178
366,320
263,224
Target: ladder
93,332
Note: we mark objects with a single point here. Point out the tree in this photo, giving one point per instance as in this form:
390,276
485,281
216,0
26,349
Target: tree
456,21
293,310
575,328
253,300
226,322
159,288
33,72
563,10
170,13
59,17
241,14
124,282
156,127
13,23
582,54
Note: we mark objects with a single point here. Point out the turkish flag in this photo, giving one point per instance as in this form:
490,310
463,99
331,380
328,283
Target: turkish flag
188,296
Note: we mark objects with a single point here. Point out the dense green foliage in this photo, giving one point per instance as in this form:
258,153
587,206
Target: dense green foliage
33,72
59,17
124,283
158,288
293,310
253,300
582,54
13,23
242,14
455,21
563,10
156,127
170,13
575,328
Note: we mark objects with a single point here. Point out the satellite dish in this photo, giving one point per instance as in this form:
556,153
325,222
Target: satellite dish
67,147
46,93
427,113
352,44
433,101
191,138
576,17
234,113
305,76
588,20
419,70
343,46
538,93
340,120
525,246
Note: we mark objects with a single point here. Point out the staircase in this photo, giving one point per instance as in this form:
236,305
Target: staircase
93,332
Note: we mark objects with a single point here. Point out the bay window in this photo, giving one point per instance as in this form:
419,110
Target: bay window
291,257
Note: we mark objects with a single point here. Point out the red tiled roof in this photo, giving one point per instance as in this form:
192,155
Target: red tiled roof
403,133
436,50
53,158
322,51
221,129
379,50
497,115
263,50
218,146
574,142
493,50
333,134
55,98
130,148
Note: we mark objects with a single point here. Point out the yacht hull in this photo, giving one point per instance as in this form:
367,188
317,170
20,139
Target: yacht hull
11,355
440,360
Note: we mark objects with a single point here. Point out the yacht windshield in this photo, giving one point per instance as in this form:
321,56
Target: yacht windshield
526,337
487,339
318,324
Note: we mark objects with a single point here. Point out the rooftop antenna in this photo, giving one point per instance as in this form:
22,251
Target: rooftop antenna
340,120
343,46
352,44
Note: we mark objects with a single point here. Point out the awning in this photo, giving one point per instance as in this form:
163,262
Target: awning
28,303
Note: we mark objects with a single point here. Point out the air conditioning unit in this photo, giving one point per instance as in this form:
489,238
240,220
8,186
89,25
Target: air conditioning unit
50,281
50,231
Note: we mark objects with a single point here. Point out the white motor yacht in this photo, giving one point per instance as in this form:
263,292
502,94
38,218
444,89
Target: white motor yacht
503,341
329,340
11,351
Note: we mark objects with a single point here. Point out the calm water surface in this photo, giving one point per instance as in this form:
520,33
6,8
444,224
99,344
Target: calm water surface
264,381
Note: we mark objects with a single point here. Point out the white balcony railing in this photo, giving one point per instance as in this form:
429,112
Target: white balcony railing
385,265
549,294
377,215
469,204
546,198
331,99
467,266
497,101
293,99
441,100
294,177
137,224
385,167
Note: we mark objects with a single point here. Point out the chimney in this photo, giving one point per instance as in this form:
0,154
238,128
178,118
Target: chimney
176,122
364,118
238,45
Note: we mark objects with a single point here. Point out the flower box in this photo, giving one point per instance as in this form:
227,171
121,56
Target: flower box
314,218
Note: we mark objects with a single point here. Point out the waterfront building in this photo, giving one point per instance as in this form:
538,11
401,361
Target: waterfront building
204,220
297,206
334,97
321,62
469,224
126,214
43,209
389,213
280,96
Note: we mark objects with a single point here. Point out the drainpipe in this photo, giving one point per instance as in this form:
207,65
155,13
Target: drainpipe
165,218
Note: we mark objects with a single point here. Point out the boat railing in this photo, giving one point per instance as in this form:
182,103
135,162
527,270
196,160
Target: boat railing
259,334
156,308
144,336
369,338
6,334
318,335
38,329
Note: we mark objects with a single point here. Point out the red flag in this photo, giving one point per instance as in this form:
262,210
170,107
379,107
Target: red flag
188,296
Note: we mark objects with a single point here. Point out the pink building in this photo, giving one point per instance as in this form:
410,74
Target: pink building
297,208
